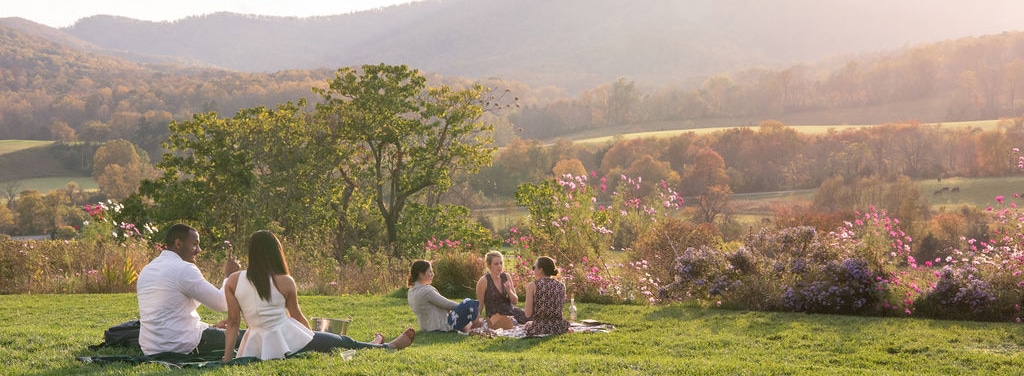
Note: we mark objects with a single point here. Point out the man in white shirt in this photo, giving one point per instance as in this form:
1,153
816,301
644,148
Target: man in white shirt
169,290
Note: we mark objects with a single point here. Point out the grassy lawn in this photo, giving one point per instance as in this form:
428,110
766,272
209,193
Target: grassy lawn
42,334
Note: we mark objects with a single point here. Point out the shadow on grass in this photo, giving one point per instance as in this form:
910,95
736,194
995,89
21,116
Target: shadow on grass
74,366
514,345
497,344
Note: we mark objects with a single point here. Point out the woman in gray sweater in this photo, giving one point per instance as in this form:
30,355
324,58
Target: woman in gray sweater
435,312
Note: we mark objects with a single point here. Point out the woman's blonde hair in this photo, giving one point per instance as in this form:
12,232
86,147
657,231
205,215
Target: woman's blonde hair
491,256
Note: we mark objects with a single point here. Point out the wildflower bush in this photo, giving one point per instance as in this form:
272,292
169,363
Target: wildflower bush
69,266
959,293
109,222
841,286
106,255
794,269
981,279
702,273
568,222
667,239
421,224
865,266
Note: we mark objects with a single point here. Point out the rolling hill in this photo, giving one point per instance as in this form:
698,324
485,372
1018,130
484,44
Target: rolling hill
569,44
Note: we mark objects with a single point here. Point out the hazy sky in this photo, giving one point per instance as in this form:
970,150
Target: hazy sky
62,13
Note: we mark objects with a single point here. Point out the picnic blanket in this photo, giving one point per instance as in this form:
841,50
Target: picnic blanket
170,360
519,331
177,361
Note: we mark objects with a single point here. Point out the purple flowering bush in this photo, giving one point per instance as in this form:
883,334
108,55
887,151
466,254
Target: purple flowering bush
792,269
818,272
959,294
666,240
700,273
841,286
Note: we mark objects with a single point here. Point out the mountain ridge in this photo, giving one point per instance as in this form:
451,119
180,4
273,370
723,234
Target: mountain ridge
572,44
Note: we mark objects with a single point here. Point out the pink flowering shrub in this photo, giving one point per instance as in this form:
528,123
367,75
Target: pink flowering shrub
981,279
568,222
107,222
596,281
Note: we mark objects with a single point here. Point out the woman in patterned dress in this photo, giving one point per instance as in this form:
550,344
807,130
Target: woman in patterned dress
545,299
496,291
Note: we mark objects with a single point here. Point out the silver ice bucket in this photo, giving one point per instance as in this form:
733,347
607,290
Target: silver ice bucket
336,326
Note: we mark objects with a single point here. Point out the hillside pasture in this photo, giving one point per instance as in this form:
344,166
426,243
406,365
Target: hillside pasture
670,130
44,185
979,192
10,146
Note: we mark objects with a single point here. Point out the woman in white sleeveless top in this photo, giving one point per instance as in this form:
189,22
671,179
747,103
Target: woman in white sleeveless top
266,296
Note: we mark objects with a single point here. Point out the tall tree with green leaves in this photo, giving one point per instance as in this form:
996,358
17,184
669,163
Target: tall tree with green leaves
262,168
408,138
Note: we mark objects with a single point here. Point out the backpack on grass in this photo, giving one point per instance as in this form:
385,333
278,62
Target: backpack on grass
125,334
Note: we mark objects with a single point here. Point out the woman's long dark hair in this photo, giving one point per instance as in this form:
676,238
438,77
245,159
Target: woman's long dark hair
266,259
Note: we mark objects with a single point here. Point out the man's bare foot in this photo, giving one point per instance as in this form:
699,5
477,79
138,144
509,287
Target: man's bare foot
404,340
378,339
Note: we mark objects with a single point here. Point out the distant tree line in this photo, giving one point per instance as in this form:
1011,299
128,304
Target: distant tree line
771,156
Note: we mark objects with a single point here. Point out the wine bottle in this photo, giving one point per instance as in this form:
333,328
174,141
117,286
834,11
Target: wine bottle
572,308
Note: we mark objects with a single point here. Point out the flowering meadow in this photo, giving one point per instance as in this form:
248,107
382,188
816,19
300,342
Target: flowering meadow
866,266
615,241
106,256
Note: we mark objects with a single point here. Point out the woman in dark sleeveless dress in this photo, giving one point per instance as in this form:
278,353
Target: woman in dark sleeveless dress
545,300
496,291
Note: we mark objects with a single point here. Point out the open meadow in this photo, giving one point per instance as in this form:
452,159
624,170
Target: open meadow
658,130
43,335
10,146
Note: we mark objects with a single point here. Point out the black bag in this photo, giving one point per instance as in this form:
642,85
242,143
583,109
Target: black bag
125,334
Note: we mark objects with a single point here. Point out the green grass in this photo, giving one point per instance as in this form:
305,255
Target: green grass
42,335
10,146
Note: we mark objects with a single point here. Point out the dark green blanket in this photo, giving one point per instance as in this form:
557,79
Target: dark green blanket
170,360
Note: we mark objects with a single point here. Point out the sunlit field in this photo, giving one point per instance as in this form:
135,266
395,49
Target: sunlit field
806,129
10,146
